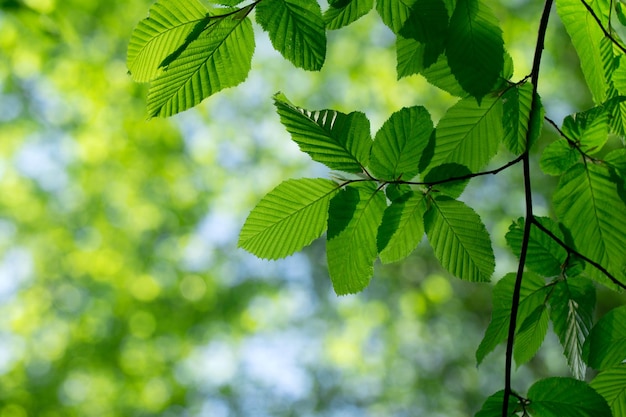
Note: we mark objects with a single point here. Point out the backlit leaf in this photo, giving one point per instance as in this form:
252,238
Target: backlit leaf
296,29
558,157
611,384
589,128
517,102
342,13
288,218
606,345
441,179
394,12
339,141
530,335
353,219
559,397
459,239
493,406
428,24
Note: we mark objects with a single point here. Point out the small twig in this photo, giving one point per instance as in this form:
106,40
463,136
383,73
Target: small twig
599,22
571,250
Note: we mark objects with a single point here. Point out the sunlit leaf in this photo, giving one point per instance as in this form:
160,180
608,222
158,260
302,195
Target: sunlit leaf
469,134
589,128
475,48
288,218
353,219
530,335
459,239
296,29
544,256
399,144
492,407
339,141
220,58
558,157
558,397
588,204
169,23
402,227
571,311
517,102
394,13
342,13
611,384
606,345
442,179
428,24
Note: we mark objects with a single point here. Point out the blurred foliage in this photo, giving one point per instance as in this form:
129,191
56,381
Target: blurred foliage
121,289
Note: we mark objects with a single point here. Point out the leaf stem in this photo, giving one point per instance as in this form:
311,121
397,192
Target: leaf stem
606,32
543,25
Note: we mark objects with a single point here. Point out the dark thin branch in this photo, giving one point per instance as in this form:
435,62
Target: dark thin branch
561,133
572,251
541,35
599,22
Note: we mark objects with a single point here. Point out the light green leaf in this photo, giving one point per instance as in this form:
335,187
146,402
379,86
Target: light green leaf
558,157
394,12
399,144
586,36
571,311
493,406
589,128
402,227
559,397
220,58
339,141
342,13
165,29
428,24
440,75
532,295
446,172
288,218
475,48
296,29
611,384
616,159
353,219
469,134
410,57
606,345
517,102
545,256
530,335
619,76
588,204
459,239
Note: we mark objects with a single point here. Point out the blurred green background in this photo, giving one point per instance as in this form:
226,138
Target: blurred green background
122,292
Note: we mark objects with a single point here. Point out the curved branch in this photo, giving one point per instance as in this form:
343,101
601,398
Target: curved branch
606,33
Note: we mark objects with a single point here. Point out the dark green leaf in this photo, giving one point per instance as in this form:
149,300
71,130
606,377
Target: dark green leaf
606,345
288,218
558,157
611,384
339,141
571,311
545,256
353,219
459,239
296,29
342,13
402,227
443,173
517,102
530,335
428,24
220,58
475,48
493,406
559,397
394,12
399,144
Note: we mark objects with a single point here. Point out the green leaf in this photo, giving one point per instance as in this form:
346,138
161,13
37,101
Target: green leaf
339,141
446,172
399,144
517,103
616,159
588,204
558,157
428,24
532,295
586,36
611,384
475,48
353,219
606,345
402,227
545,256
296,29
469,134
459,239
394,13
559,397
288,218
220,58
589,128
440,75
165,29
493,406
530,335
410,57
343,13
571,311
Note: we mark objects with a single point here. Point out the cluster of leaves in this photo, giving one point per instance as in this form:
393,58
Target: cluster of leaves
390,190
